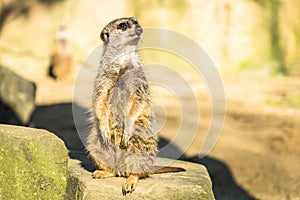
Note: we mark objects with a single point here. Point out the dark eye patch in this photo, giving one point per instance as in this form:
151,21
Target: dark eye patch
123,26
134,21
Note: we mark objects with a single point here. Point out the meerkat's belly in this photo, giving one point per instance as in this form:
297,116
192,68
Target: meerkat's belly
119,111
129,110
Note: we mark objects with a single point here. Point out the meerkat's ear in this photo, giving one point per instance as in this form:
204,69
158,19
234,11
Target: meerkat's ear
104,35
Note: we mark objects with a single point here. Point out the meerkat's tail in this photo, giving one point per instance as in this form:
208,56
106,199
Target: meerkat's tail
165,169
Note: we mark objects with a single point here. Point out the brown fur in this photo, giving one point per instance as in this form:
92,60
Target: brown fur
123,141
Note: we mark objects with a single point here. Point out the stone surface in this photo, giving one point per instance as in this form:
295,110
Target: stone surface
192,184
33,164
17,98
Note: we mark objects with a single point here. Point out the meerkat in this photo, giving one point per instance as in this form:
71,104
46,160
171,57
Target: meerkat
123,140
61,60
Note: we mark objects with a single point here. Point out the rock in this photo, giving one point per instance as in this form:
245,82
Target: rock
17,98
192,184
33,164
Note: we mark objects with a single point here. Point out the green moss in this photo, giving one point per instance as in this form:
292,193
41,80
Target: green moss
272,102
294,68
246,65
296,29
32,168
292,101
276,51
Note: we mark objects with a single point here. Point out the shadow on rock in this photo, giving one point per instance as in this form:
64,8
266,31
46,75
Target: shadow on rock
58,119
85,162
8,116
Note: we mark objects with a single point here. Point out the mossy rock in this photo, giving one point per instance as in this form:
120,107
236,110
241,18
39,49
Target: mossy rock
33,164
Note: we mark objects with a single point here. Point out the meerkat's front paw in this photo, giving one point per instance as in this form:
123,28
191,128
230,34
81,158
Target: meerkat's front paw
102,174
132,145
128,125
125,139
105,137
130,184
128,130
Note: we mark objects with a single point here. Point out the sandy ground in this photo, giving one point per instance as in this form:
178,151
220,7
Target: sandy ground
258,153
260,143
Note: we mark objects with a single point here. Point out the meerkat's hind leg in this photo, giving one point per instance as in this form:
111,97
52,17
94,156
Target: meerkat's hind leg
103,174
130,184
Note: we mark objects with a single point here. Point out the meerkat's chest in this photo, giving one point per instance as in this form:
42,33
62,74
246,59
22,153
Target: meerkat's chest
128,56
129,81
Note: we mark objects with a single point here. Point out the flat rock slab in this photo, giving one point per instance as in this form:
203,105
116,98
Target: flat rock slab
33,164
195,183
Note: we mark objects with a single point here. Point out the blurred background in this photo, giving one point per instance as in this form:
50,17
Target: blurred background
255,45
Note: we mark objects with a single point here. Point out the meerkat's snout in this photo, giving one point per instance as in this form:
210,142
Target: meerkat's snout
138,30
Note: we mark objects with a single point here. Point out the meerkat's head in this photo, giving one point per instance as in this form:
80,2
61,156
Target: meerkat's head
122,32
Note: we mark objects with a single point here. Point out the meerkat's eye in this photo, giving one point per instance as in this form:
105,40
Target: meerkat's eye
122,26
134,21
